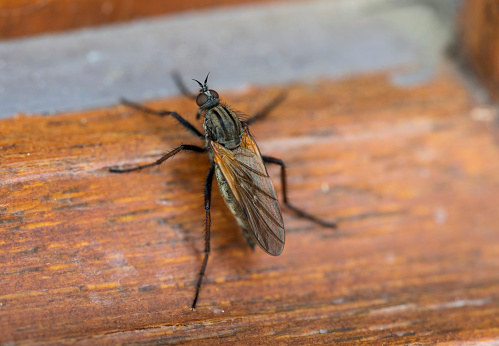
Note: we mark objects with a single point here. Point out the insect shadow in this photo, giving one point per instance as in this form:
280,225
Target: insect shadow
239,168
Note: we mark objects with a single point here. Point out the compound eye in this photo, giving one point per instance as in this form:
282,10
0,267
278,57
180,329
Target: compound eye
214,93
201,99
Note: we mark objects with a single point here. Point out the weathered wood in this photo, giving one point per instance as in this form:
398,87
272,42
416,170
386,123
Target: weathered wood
30,17
480,40
409,173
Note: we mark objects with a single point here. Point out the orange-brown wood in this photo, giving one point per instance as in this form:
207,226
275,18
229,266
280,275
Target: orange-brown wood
29,17
480,38
410,174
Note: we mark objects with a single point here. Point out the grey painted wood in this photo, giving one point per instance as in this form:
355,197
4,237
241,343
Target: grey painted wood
265,44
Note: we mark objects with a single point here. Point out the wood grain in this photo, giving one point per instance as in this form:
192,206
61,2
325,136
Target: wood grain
30,17
480,40
410,174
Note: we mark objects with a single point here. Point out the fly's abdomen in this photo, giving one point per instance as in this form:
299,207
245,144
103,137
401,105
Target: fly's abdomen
230,200
223,126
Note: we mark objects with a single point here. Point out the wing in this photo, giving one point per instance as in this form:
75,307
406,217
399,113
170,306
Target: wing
245,172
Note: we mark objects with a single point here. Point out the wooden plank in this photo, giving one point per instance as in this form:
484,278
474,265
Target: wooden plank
30,17
480,40
409,173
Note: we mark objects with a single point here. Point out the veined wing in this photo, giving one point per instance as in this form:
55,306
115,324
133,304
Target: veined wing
245,172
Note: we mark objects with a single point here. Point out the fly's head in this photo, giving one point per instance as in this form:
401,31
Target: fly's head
207,98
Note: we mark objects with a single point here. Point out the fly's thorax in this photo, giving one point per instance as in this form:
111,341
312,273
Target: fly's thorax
222,125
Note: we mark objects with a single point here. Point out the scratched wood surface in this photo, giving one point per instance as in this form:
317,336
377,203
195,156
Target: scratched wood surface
410,174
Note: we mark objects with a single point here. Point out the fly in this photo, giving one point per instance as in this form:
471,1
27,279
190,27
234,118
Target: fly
239,168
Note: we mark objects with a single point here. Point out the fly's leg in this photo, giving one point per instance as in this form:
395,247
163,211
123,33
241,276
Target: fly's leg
207,206
267,109
249,239
161,160
181,86
162,113
301,213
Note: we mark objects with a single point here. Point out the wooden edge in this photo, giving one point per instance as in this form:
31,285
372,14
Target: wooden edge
479,39
34,17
